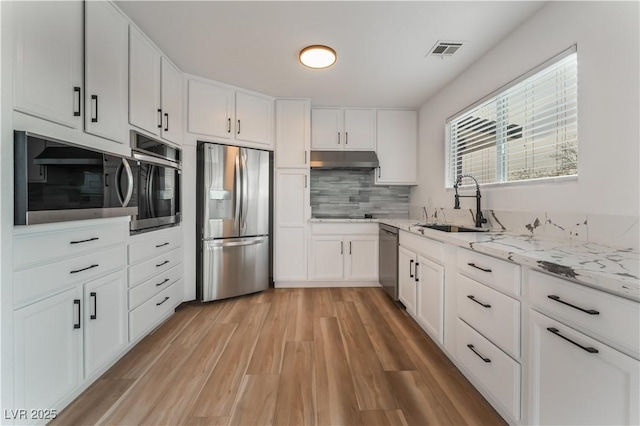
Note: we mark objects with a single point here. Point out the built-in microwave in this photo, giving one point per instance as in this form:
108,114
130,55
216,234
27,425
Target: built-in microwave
157,175
57,181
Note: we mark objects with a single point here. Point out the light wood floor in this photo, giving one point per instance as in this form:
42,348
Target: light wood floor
285,357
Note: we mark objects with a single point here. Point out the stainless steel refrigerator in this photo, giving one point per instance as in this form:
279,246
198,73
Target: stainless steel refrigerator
233,255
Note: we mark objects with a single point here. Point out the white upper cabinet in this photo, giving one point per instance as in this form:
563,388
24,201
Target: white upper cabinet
47,77
106,71
222,112
338,128
145,109
171,95
292,133
397,136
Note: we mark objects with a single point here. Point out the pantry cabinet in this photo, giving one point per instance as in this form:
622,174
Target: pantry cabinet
292,133
106,72
396,146
343,128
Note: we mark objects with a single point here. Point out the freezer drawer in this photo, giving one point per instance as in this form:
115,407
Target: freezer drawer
232,267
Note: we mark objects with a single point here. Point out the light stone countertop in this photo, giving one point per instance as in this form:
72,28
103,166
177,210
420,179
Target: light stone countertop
611,269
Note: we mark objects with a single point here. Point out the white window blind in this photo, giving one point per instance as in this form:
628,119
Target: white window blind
526,130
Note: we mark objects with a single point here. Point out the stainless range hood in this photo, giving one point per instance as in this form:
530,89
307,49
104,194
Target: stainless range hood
344,160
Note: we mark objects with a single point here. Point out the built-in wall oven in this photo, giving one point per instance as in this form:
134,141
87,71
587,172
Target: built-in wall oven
57,181
157,176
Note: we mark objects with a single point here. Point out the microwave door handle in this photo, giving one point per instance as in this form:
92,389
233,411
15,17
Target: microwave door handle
245,192
117,185
127,169
237,188
150,190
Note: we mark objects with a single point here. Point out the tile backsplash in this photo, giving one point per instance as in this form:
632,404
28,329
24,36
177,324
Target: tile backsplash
352,193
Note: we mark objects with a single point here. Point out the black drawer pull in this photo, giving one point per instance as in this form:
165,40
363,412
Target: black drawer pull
166,128
159,119
473,265
238,126
94,315
163,263
410,272
162,245
584,348
586,311
484,305
416,271
95,98
95,265
229,125
485,359
165,299
76,302
76,90
84,241
165,280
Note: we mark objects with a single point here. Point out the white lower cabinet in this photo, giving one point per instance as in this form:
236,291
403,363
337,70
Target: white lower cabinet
327,253
344,258
574,379
406,279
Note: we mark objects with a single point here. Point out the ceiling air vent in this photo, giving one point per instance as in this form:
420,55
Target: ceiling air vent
445,48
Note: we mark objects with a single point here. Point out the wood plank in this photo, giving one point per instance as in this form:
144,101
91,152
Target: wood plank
257,400
206,421
199,325
93,403
391,353
337,403
300,324
399,321
176,404
296,401
219,391
383,418
267,356
415,399
235,311
370,383
322,303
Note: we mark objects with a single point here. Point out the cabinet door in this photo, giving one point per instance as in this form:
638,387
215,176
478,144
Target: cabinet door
105,319
406,279
327,258
48,350
47,77
292,133
290,254
359,129
569,384
397,147
430,297
361,258
209,111
326,129
144,83
171,103
253,118
106,71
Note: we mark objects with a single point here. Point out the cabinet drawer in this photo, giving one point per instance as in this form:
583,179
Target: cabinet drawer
422,245
147,315
154,243
42,247
496,273
141,293
33,283
608,317
490,312
497,372
152,267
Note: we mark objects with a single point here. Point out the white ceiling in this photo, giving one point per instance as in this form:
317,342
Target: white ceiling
381,45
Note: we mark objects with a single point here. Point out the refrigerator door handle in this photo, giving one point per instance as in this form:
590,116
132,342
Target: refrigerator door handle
245,193
251,242
237,172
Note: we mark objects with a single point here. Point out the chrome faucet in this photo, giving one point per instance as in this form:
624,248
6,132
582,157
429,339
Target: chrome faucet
479,218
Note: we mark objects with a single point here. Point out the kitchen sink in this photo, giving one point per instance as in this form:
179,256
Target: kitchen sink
451,228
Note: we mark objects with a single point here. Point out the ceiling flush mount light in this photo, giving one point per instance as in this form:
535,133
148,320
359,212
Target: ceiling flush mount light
318,56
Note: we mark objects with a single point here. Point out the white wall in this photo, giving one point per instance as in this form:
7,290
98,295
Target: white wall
607,35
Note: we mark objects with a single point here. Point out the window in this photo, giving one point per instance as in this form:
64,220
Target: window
526,130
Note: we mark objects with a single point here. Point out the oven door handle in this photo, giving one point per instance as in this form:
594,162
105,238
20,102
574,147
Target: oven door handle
150,172
127,168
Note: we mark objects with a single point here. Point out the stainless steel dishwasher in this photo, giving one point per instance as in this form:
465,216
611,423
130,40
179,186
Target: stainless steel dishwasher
388,260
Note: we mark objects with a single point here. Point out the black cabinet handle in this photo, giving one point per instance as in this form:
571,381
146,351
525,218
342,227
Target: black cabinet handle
159,118
229,125
473,265
410,264
416,271
341,247
338,138
84,241
305,156
587,311
485,359
163,263
162,245
95,98
349,247
379,171
305,181
584,348
484,305
95,265
76,302
165,299
166,128
77,91
94,296
346,138
165,280
238,126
